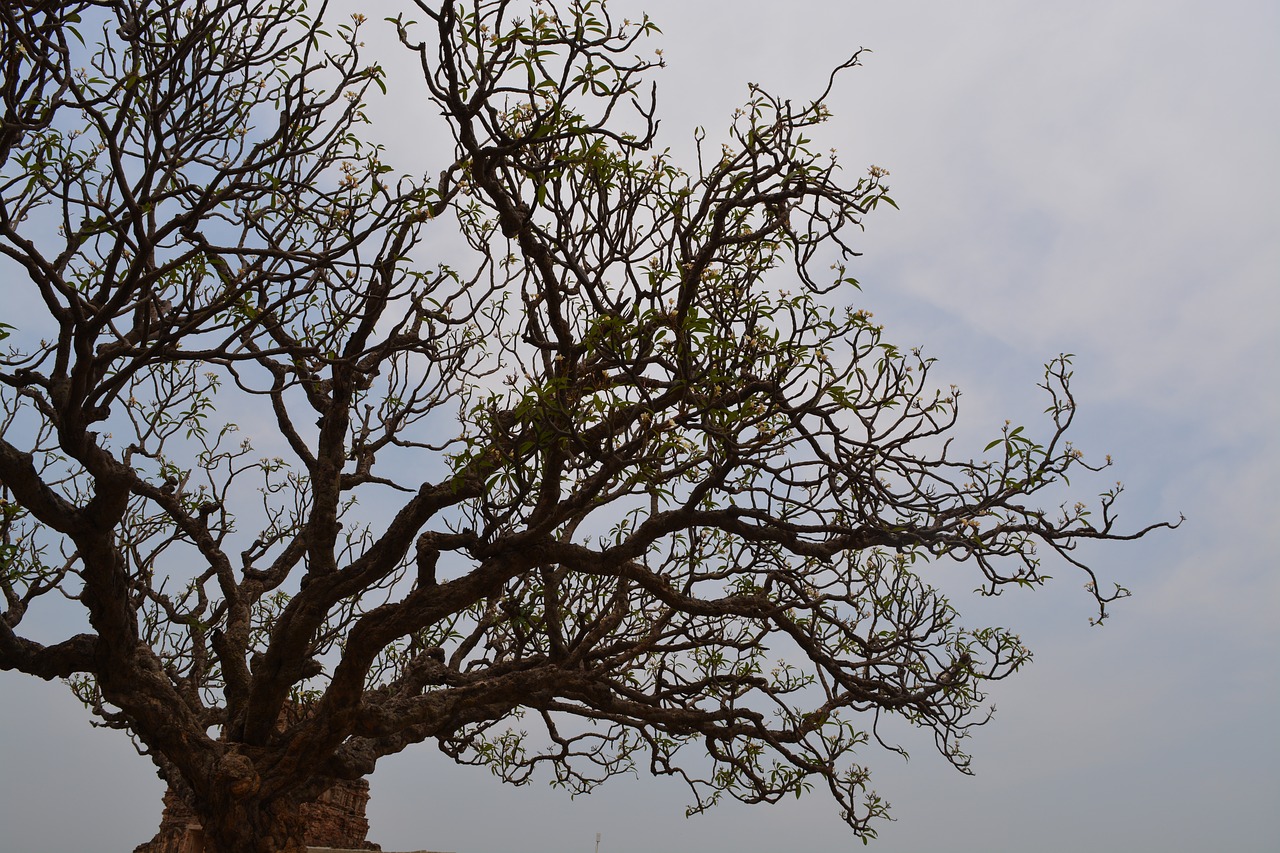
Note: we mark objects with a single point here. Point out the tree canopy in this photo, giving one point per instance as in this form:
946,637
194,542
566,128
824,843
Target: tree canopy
564,456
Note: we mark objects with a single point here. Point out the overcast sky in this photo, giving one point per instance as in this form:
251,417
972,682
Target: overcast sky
1093,177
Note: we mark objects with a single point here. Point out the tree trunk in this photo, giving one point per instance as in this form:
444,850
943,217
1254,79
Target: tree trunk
236,811
237,818
251,826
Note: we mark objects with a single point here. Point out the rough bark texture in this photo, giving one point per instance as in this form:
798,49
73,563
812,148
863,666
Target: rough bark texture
336,820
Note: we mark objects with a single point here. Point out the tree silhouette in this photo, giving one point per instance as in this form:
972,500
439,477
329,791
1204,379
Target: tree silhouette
622,484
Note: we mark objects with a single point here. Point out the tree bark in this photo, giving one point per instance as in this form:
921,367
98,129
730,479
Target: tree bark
249,825
239,814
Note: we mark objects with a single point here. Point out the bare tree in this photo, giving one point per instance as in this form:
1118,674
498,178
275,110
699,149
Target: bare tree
625,469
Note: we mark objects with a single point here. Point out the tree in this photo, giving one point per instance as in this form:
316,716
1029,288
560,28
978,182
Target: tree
619,484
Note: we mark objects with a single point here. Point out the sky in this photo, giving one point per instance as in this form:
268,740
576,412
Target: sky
1096,178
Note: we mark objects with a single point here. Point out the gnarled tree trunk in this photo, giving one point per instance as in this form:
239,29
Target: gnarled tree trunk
336,818
249,825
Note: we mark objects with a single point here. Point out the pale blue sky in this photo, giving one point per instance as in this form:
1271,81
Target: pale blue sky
1092,177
